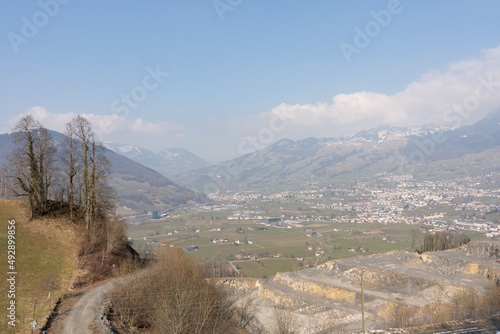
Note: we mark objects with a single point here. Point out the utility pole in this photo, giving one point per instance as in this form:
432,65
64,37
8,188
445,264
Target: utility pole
362,303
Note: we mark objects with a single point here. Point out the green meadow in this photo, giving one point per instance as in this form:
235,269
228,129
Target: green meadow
335,238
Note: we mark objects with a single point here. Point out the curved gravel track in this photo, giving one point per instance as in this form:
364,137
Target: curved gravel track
84,312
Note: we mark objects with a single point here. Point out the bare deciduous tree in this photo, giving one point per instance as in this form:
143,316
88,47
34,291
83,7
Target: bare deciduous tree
465,303
71,162
45,150
83,131
32,163
284,321
116,235
85,161
245,310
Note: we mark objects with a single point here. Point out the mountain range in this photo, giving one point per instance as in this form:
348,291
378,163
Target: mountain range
170,162
423,151
455,143
426,152
139,188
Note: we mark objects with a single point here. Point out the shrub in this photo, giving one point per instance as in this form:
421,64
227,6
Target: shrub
173,296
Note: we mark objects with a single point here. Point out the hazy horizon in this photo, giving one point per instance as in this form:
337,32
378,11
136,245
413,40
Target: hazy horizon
220,80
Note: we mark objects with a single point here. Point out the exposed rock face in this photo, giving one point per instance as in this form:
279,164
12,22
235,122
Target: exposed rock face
240,284
483,249
397,276
316,289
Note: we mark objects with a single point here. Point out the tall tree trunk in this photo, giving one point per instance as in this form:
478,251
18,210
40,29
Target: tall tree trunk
33,192
71,198
86,184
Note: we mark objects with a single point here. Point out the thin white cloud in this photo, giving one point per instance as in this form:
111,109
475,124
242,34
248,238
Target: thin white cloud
428,100
103,125
138,125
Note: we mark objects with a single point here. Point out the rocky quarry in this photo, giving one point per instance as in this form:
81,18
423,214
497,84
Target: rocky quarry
329,296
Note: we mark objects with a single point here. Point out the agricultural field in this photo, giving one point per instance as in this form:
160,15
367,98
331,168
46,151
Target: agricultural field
258,250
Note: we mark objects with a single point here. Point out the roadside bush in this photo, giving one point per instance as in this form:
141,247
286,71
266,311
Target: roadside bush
172,297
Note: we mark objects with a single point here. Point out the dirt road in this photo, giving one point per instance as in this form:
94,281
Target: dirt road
84,312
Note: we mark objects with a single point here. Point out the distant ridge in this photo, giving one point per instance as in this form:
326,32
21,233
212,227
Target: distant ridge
139,188
475,138
168,161
365,155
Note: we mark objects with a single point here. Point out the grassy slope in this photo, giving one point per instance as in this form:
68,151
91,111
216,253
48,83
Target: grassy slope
43,246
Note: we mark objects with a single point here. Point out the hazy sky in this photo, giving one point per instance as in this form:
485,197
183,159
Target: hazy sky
221,78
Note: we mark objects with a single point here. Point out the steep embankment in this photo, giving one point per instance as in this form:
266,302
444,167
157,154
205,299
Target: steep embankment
45,261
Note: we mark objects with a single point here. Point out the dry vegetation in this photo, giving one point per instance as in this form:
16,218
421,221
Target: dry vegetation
466,304
444,240
284,321
173,296
70,183
66,221
46,262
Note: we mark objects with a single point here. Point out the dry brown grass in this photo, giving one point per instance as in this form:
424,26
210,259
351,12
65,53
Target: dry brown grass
466,304
46,250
